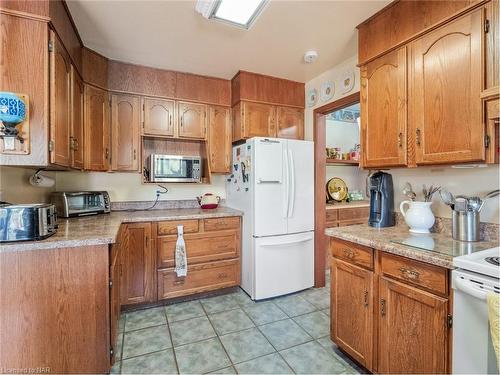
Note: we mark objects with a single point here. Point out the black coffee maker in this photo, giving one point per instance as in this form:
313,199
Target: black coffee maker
381,200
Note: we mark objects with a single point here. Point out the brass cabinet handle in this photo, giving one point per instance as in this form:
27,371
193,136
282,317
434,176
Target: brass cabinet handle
75,144
170,121
135,154
182,121
365,296
179,282
418,137
409,274
382,307
400,140
147,241
106,153
71,143
349,253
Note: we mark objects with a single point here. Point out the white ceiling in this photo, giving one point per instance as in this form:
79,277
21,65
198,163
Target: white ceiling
171,35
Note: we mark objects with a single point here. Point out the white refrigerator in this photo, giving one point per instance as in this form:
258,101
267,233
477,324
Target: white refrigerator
272,182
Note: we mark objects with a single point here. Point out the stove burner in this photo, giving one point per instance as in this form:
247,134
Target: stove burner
493,260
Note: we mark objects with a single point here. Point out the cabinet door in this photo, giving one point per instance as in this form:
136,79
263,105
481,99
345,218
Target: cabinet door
60,94
137,264
384,110
290,123
219,139
259,120
159,117
412,330
76,139
352,310
114,272
125,123
96,119
445,86
192,120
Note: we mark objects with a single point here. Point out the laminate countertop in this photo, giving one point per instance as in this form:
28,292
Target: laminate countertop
103,229
435,248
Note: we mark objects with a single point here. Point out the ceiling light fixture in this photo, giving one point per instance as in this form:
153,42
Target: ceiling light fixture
310,56
240,13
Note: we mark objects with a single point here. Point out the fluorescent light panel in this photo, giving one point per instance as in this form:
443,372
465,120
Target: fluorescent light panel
241,13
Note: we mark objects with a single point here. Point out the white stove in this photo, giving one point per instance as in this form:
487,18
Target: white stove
485,262
477,276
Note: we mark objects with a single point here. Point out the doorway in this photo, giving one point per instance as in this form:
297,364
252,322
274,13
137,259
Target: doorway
320,162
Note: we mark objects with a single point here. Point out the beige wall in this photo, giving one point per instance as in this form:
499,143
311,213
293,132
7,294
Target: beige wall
15,188
128,186
475,181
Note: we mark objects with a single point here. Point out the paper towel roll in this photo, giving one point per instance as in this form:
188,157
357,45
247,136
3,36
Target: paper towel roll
39,180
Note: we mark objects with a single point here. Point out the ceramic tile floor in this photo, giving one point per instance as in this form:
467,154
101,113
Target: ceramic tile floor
231,334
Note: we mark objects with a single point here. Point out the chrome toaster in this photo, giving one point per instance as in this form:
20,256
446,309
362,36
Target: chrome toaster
27,222
81,203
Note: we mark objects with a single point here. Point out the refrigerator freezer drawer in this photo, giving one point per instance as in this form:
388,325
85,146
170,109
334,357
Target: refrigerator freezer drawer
283,264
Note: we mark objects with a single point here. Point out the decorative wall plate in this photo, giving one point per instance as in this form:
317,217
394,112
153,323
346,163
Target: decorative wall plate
312,97
327,91
347,81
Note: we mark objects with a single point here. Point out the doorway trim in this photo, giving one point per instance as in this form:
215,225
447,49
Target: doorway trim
319,137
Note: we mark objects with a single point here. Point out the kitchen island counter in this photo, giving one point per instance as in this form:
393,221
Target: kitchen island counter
103,229
398,240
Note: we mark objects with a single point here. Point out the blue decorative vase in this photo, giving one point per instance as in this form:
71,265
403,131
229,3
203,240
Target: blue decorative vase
12,108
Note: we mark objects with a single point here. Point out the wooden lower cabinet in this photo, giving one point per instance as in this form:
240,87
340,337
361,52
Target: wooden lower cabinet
114,297
200,278
412,330
137,265
352,311
393,319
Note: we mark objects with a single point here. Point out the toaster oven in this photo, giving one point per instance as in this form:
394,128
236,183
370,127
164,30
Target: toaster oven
174,168
81,203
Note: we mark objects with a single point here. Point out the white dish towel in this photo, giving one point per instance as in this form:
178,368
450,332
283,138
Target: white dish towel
180,253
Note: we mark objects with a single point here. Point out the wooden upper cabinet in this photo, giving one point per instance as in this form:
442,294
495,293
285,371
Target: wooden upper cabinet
219,139
60,101
290,122
384,110
412,330
137,264
445,86
352,310
159,117
259,120
77,103
192,120
125,123
96,119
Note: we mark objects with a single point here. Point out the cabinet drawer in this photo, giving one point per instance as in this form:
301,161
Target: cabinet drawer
200,278
354,213
221,223
170,227
427,276
201,247
352,253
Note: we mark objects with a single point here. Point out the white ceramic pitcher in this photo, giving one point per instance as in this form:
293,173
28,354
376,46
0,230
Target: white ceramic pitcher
418,216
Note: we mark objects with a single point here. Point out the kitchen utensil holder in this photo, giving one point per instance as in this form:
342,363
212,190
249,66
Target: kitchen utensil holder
465,225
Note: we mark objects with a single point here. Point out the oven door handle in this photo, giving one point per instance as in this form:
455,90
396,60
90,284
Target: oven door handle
467,287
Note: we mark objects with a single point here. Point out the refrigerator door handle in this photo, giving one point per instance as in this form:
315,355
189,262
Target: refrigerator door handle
286,243
286,197
292,184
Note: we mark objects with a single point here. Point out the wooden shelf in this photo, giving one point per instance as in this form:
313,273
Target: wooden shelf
342,162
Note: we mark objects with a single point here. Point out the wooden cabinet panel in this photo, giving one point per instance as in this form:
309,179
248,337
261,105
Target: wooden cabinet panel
352,253
60,101
492,48
170,227
219,139
202,89
159,117
332,217
200,278
114,304
96,119
290,123
421,274
95,68
77,134
137,265
237,113
201,247
125,123
354,213
412,330
445,86
259,120
192,118
352,311
384,110
221,223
